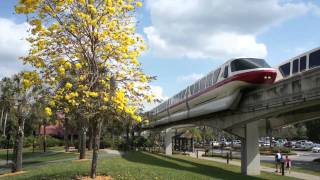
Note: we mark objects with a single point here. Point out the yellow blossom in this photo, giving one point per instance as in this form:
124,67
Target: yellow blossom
48,111
68,85
139,4
78,65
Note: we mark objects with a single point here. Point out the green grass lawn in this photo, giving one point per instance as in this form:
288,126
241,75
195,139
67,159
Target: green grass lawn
134,165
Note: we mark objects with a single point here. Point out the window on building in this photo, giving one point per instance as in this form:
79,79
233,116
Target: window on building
314,59
248,63
303,63
225,73
295,66
209,80
285,69
216,75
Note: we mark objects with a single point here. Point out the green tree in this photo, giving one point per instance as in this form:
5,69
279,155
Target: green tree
313,130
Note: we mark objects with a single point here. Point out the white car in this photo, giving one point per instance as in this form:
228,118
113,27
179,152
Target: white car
236,143
316,148
215,143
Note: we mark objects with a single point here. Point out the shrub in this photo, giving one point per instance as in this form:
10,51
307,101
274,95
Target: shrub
28,141
3,142
282,150
274,150
51,141
105,142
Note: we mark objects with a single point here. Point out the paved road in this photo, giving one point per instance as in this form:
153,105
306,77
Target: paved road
303,156
265,169
303,159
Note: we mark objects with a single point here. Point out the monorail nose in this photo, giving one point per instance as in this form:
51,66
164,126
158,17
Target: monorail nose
261,77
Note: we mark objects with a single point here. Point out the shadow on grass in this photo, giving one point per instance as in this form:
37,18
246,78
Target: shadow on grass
178,164
26,154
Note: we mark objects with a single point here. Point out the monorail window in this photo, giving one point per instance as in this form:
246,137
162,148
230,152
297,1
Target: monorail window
285,69
202,83
303,63
192,89
225,72
314,59
248,63
216,75
197,87
209,80
295,66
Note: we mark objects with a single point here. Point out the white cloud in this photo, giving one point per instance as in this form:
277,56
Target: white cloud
12,46
158,91
189,78
215,29
315,9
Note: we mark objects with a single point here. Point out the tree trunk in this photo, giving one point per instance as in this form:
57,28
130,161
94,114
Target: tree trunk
18,147
90,139
96,144
66,134
5,124
127,137
72,139
83,139
1,117
132,140
44,137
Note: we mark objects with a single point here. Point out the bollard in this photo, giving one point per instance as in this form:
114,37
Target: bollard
197,153
228,156
282,168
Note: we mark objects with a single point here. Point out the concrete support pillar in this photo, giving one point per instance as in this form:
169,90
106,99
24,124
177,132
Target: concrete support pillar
250,155
168,141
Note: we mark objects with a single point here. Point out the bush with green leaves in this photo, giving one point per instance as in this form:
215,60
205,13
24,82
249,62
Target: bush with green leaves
28,141
50,141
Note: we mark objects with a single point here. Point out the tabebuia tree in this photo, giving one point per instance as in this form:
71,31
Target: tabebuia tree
86,51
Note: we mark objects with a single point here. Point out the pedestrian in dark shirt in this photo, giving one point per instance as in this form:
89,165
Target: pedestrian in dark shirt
288,164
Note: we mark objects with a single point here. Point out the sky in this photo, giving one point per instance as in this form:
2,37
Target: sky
188,38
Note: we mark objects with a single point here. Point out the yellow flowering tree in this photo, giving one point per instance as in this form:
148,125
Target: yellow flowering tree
87,51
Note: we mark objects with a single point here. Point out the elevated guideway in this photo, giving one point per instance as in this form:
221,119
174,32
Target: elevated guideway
292,100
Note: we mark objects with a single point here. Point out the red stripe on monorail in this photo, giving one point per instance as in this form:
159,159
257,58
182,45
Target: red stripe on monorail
253,77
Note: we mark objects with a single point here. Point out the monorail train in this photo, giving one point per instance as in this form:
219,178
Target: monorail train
299,64
219,90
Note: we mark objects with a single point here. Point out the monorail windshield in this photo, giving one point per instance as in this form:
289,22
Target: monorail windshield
248,63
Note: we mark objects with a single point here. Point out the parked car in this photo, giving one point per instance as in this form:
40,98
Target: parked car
224,142
214,143
316,148
236,143
289,144
303,145
281,142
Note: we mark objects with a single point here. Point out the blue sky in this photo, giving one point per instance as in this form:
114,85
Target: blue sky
189,38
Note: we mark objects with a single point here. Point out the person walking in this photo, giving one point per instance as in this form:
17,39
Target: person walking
288,164
278,159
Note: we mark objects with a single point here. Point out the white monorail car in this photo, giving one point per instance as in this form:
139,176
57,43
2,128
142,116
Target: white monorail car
299,64
217,91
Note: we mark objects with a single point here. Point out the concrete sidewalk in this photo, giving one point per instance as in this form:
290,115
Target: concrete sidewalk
263,168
